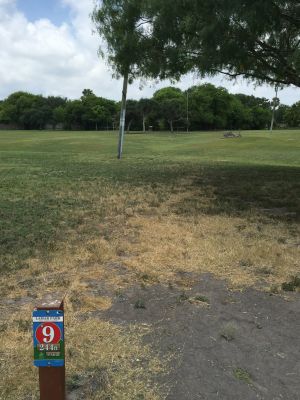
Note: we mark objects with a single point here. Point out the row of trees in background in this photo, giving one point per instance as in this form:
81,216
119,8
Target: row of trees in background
202,107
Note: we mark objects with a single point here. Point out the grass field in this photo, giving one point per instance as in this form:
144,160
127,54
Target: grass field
70,212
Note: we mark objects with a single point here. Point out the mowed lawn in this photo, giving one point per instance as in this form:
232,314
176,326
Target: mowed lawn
71,213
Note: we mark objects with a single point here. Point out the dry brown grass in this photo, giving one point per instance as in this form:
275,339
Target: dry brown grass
211,244
147,238
106,361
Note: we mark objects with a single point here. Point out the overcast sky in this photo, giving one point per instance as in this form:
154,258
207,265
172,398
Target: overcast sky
47,47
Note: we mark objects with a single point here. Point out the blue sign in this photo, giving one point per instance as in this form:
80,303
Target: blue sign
48,338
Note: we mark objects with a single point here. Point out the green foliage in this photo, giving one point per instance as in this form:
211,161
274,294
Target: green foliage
30,111
242,375
140,304
229,331
209,108
119,23
96,111
256,39
168,93
147,109
292,285
292,115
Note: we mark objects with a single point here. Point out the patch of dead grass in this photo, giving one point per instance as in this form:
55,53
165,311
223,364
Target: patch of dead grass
211,244
149,244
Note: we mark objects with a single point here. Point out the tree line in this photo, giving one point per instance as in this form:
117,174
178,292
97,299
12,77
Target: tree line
201,107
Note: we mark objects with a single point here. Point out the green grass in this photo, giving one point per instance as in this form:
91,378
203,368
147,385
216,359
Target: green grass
50,182
72,215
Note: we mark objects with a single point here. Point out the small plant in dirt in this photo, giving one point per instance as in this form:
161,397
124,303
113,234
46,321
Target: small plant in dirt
266,271
3,327
75,382
229,331
182,297
199,299
140,305
242,375
282,240
120,295
292,285
23,325
274,289
245,263
146,278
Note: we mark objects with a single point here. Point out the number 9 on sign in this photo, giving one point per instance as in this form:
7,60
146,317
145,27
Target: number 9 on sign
48,338
48,333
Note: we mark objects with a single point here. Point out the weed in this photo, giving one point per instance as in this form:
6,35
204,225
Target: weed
274,289
140,305
3,327
23,325
199,299
282,240
245,263
74,382
265,271
146,277
242,375
292,285
120,295
182,297
229,331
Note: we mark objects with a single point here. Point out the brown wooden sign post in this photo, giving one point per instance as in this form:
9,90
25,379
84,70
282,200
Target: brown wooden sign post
49,348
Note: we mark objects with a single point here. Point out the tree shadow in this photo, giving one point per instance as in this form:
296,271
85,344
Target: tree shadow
42,203
236,190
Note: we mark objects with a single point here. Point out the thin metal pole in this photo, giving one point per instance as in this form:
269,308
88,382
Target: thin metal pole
274,109
123,116
187,111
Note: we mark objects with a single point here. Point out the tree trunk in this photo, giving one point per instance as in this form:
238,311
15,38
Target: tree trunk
144,123
171,126
129,125
123,116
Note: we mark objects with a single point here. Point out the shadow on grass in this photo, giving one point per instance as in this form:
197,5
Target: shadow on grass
236,190
43,204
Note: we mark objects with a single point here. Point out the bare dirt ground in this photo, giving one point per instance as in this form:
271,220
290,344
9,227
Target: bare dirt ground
223,344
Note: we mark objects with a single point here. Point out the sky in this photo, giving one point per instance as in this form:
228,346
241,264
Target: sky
48,47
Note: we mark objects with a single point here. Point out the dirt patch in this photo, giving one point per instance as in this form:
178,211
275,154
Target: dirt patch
226,345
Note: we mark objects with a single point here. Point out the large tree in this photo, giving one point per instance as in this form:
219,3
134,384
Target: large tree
146,108
255,39
118,22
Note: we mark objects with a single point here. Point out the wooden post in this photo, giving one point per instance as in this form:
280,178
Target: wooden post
51,378
52,383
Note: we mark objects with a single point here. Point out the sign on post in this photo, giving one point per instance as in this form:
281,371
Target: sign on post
48,338
49,347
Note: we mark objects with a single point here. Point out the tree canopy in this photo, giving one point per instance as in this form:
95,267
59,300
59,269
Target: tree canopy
256,39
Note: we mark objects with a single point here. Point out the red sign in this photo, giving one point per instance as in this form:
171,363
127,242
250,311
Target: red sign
48,333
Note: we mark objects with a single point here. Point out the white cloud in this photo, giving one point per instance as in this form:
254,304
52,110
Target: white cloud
41,57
